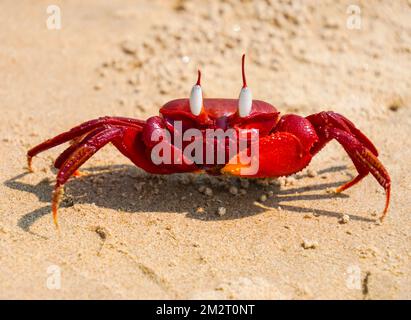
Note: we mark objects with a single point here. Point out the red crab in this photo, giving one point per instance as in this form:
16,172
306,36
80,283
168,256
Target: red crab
286,143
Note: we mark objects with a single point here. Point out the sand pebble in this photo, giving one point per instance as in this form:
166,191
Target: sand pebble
344,219
208,192
311,173
396,104
286,181
102,232
128,47
102,73
185,59
309,244
221,211
290,181
330,190
233,190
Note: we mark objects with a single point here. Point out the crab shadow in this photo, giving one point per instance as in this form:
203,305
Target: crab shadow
126,188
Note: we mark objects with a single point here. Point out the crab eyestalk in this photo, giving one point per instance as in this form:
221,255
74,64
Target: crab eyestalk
196,97
245,100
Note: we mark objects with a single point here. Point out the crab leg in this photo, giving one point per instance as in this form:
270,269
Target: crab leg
328,119
80,130
330,125
84,152
365,161
350,183
81,140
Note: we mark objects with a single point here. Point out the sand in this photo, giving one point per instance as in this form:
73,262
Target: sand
127,234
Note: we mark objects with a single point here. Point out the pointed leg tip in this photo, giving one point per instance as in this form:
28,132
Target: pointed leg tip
29,164
384,214
338,190
55,203
387,203
55,218
55,221
79,174
54,213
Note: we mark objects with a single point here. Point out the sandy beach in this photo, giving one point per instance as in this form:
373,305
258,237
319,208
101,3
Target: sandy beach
126,234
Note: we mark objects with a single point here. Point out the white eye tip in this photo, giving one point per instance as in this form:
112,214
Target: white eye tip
196,100
245,102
